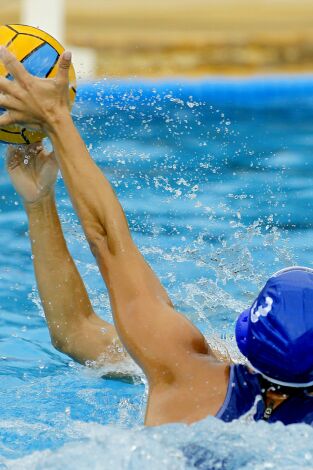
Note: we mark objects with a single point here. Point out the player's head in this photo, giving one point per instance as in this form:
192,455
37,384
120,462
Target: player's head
276,333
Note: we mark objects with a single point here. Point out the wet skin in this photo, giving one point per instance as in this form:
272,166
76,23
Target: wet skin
186,381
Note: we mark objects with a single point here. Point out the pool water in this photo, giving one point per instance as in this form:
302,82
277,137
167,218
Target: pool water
217,197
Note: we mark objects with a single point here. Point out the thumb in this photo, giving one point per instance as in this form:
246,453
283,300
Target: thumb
64,64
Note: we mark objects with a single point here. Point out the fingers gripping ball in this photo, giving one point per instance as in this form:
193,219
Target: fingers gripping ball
39,53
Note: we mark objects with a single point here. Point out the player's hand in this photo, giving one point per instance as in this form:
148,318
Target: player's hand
31,100
33,171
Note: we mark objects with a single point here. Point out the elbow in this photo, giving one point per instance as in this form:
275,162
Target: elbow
115,245
97,243
62,341
60,345
65,346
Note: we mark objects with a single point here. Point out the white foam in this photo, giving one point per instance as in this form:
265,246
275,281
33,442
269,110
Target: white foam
209,444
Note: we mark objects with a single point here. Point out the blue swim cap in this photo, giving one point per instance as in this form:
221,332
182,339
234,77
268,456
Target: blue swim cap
276,333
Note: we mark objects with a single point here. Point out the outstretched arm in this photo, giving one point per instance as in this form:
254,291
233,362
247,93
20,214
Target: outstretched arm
152,331
74,327
160,339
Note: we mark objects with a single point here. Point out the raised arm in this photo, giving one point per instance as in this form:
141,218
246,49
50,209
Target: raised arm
74,327
160,339
144,316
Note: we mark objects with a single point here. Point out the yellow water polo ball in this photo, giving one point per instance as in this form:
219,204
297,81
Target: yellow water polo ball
39,53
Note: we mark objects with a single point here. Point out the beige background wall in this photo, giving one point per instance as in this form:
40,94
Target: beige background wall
189,37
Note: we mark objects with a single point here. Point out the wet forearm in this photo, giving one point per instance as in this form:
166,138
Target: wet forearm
62,292
97,206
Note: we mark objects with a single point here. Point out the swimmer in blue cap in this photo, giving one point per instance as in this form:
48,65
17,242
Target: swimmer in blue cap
186,381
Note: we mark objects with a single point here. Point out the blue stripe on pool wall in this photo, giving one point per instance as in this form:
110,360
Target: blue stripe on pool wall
258,91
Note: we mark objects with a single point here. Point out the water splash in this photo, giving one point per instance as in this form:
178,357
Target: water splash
209,444
215,207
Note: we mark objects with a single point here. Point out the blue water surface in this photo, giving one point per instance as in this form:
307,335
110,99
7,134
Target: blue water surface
218,195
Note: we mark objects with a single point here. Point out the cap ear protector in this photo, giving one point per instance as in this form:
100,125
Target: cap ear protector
241,331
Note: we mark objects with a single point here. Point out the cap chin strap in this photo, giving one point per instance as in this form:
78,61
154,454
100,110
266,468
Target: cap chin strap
292,268
280,382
